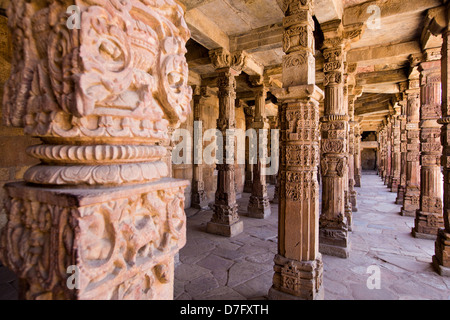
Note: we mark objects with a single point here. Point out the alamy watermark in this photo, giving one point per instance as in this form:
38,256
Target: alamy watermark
227,149
374,280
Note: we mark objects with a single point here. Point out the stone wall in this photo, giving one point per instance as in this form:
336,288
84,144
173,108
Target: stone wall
369,159
13,158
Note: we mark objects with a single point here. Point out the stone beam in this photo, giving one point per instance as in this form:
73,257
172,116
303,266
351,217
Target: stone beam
328,10
391,76
260,39
434,24
359,13
205,31
368,56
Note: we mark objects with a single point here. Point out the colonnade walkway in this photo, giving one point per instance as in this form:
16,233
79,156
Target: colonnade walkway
214,267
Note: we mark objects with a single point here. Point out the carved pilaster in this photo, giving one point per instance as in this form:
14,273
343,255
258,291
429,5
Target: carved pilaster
298,264
101,98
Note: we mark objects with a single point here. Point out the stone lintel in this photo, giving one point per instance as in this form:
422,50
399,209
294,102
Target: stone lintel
299,92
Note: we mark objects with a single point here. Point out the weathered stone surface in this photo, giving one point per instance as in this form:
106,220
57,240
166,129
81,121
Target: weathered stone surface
101,95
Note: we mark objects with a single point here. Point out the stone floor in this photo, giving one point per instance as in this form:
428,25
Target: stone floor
214,267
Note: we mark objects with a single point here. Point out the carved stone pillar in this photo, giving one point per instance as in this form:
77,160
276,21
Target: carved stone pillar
101,98
276,197
412,189
348,204
225,220
441,259
259,205
351,154
249,112
334,239
357,156
388,152
298,264
199,197
403,148
396,154
429,217
381,152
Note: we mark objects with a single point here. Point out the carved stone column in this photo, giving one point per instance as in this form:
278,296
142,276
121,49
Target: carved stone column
429,217
441,259
101,98
357,156
412,189
388,151
381,151
334,239
259,205
403,147
348,203
199,197
249,112
396,154
351,157
298,264
225,220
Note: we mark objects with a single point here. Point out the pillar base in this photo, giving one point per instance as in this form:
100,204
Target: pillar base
427,225
400,195
297,280
258,208
420,235
335,251
122,240
440,269
225,230
442,252
406,213
358,181
275,294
